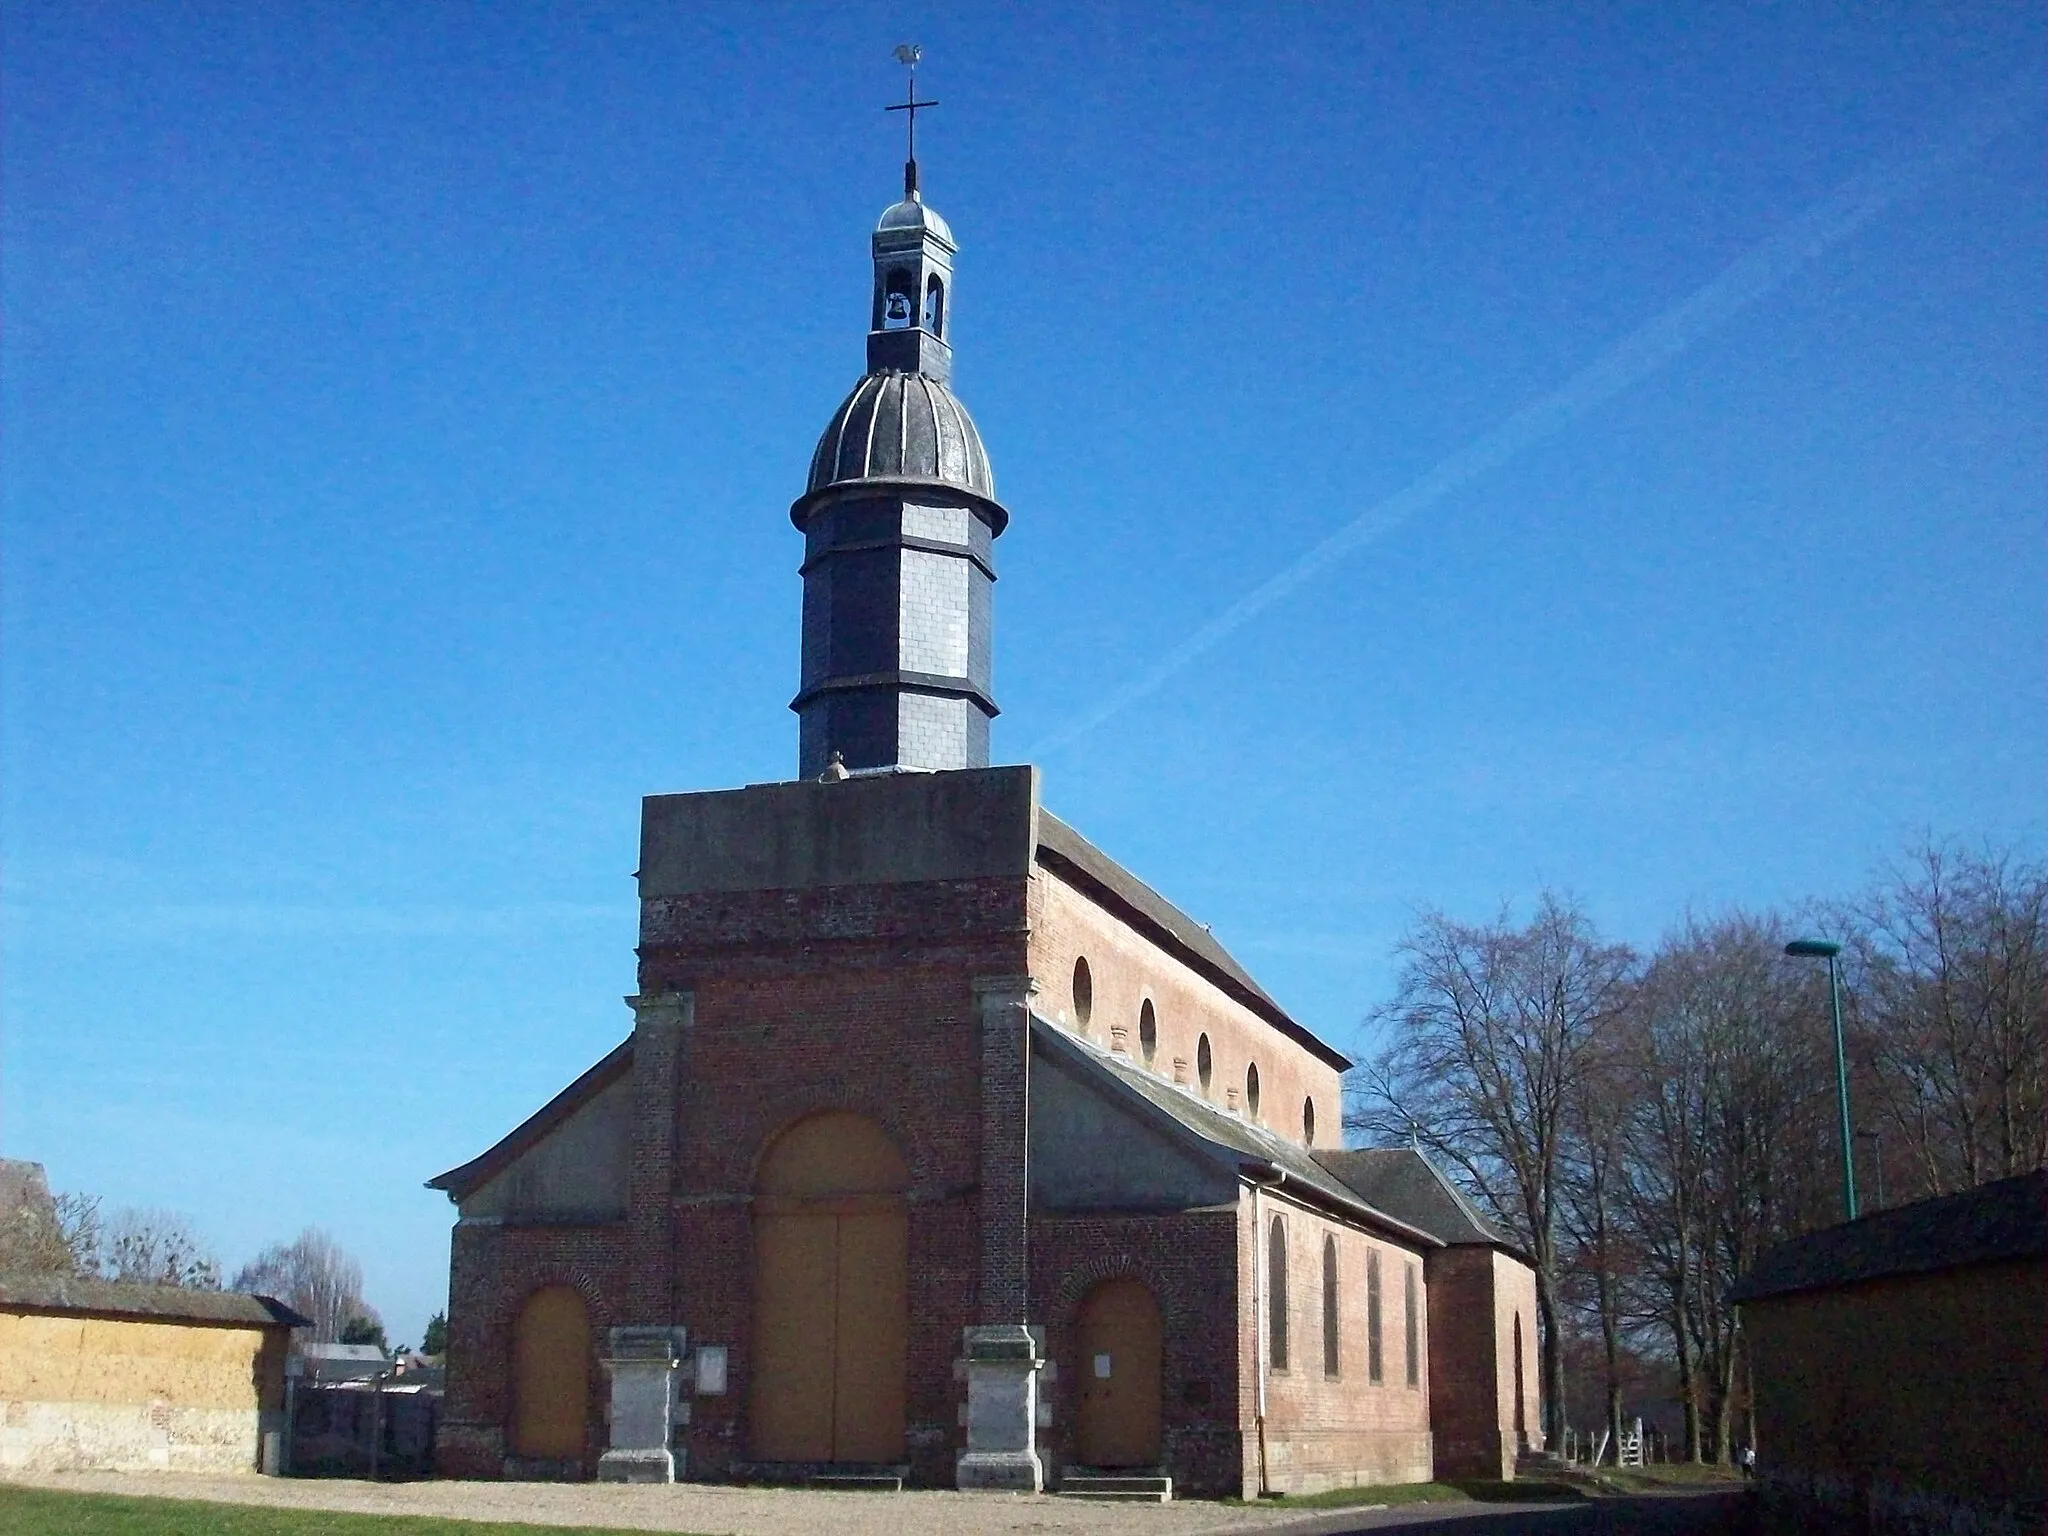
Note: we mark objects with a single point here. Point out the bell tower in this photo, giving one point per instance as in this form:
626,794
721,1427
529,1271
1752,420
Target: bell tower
899,521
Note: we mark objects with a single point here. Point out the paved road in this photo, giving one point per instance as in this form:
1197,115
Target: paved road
1715,1513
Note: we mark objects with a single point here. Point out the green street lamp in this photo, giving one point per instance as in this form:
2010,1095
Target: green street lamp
1821,949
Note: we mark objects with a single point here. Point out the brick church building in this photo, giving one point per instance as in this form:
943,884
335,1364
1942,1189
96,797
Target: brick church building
943,1147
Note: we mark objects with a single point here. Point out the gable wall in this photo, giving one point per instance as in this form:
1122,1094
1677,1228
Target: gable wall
1127,968
1089,1152
576,1173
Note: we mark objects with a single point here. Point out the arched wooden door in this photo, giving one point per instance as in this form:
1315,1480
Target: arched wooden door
551,1376
831,1294
1117,1424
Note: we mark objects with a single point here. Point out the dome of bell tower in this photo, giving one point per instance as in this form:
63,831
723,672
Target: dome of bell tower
902,426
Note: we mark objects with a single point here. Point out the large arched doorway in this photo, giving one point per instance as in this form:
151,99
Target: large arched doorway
831,1294
551,1376
1117,1423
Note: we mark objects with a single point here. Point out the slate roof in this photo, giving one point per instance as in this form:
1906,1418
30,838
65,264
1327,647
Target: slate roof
108,1298
911,213
902,426
1986,1225
1225,1137
1403,1182
1068,853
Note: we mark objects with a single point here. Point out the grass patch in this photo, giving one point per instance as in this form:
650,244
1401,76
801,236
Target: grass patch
1673,1474
1351,1498
40,1512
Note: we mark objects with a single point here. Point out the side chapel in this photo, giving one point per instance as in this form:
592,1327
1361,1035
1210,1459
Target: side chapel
943,1148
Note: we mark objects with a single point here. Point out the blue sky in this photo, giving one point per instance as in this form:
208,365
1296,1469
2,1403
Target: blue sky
402,405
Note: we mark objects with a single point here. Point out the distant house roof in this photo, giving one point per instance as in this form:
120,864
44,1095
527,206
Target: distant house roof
1403,1182
1070,854
108,1298
460,1182
1986,1225
367,1353
1255,1151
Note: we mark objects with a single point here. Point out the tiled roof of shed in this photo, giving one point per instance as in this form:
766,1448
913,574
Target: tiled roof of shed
108,1298
1403,1182
1986,1225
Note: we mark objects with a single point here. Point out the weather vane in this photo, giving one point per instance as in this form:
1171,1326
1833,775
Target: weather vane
907,54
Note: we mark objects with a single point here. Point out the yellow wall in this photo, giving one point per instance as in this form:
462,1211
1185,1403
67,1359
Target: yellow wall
1938,1382
121,1393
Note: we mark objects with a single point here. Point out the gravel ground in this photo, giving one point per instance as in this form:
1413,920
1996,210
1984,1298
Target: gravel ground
707,1508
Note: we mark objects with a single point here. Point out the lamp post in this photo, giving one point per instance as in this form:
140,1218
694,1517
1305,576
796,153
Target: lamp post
1821,949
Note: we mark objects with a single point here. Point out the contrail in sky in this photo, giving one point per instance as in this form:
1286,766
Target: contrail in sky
1636,356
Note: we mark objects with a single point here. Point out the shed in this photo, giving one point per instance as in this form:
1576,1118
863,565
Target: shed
99,1376
1901,1366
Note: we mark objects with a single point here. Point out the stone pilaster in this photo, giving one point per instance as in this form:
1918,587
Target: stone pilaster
1003,1355
662,1026
1003,1361
643,1364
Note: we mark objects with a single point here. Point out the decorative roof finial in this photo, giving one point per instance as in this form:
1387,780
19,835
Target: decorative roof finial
907,54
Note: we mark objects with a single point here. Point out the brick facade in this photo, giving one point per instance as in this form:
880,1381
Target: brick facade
838,980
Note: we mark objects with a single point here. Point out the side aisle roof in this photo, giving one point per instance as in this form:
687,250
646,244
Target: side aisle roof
1242,1146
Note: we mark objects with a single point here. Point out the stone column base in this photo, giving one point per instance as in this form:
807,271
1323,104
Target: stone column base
1003,1362
636,1466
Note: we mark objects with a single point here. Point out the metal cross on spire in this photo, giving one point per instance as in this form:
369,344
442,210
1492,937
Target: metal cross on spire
907,54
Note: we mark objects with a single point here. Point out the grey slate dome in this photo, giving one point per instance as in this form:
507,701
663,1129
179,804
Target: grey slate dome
897,426
911,213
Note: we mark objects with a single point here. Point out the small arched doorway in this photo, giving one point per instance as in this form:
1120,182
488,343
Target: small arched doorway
551,1376
831,1294
1117,1420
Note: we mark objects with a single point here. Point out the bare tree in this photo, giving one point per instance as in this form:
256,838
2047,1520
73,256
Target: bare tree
152,1247
312,1275
1728,1145
1951,995
1493,1028
41,1233
1600,1255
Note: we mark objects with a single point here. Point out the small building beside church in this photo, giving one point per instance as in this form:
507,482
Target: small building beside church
942,1146
1900,1364
100,1376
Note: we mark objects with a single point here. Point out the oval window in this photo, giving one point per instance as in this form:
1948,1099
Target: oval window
1084,992
1148,1031
1308,1121
1204,1065
1251,1090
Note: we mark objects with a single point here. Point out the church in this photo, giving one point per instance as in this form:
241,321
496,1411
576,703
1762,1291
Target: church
943,1150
